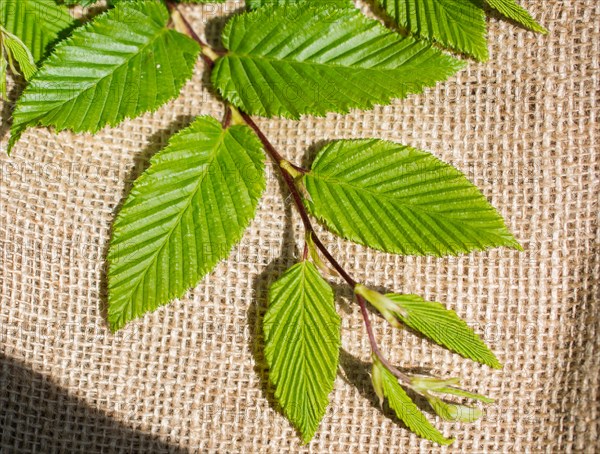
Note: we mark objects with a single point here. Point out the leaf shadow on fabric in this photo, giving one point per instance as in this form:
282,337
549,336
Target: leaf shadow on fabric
214,28
36,415
288,256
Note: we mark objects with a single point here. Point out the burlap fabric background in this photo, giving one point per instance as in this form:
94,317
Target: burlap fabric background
192,376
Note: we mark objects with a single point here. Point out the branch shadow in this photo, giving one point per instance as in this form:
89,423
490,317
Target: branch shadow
156,142
36,415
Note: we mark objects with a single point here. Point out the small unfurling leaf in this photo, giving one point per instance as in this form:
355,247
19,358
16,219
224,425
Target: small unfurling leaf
405,408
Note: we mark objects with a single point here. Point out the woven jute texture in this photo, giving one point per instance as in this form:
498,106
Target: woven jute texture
191,377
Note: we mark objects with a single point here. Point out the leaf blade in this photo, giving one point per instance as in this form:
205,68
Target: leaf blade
406,410
401,200
302,342
445,327
514,11
183,216
316,59
122,64
38,23
456,24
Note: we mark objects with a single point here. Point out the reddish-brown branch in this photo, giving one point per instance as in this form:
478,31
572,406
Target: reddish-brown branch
176,14
290,182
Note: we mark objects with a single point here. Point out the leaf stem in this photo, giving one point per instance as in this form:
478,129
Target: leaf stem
209,55
227,119
373,341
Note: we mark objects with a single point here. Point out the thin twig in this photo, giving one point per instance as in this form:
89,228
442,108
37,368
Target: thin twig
227,119
373,341
305,254
208,54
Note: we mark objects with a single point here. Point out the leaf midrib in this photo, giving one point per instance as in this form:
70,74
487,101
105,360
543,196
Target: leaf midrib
289,61
376,194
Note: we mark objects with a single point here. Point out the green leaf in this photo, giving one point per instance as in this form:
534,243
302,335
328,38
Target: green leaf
124,63
302,336
16,50
398,199
445,327
405,408
314,59
13,50
457,24
253,4
514,11
427,385
38,23
86,3
454,412
183,216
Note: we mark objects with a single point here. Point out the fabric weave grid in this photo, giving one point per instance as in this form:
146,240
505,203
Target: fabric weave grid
191,377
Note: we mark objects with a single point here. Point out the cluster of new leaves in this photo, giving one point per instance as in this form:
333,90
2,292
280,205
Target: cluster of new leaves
282,58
